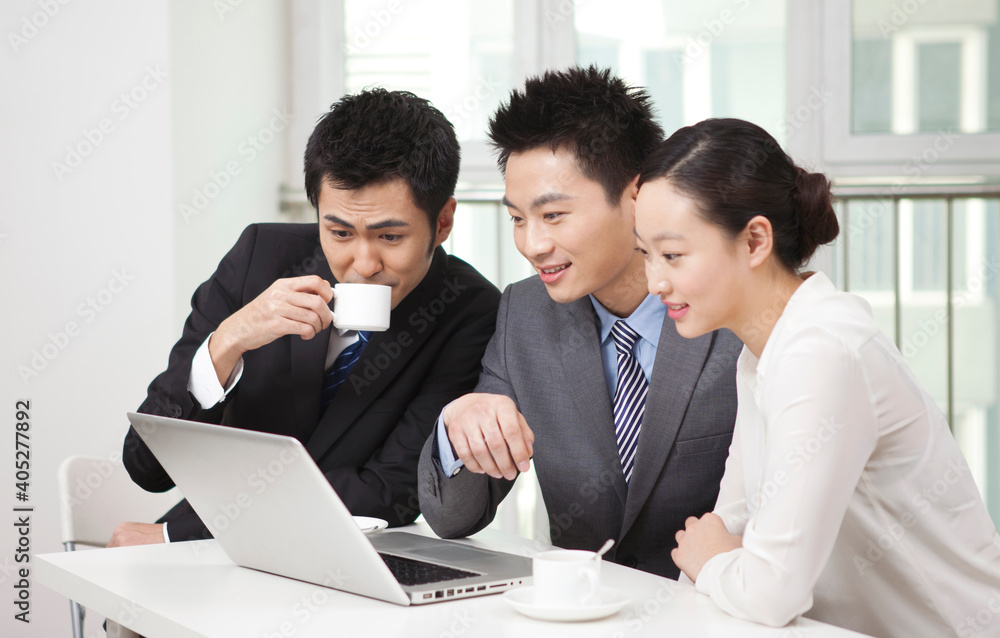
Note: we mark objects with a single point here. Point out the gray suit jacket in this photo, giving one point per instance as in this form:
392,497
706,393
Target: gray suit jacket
546,357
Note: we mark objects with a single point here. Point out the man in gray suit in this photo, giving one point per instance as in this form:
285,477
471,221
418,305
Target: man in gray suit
623,448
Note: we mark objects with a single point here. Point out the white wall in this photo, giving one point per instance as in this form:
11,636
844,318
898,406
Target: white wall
110,228
231,115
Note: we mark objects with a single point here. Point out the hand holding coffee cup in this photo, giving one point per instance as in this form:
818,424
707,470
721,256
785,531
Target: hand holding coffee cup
362,307
566,578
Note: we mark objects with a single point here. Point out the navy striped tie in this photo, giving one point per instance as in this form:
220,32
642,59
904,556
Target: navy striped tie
341,367
630,396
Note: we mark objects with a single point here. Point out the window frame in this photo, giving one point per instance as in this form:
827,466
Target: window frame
824,79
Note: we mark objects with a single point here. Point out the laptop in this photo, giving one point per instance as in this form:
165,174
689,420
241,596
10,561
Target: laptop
271,508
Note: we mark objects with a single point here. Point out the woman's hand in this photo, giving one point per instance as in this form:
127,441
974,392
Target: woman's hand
700,540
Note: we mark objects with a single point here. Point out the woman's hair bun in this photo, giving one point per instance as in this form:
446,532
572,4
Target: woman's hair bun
817,220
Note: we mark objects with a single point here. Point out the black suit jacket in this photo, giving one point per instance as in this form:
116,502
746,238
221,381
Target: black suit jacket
369,439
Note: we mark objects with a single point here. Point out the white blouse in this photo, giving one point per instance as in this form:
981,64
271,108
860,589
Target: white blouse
855,504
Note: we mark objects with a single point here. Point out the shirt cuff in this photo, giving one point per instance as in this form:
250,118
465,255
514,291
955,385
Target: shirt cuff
203,383
711,572
166,536
449,464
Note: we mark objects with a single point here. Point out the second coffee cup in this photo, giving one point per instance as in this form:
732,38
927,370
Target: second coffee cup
566,578
362,306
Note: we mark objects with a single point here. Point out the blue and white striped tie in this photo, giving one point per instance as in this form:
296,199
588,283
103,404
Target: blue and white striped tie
630,396
341,367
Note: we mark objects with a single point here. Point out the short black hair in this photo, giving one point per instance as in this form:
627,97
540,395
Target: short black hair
376,136
608,125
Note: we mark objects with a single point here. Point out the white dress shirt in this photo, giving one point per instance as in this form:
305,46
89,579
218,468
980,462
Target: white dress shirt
855,504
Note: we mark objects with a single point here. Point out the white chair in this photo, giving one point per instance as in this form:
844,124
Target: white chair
95,495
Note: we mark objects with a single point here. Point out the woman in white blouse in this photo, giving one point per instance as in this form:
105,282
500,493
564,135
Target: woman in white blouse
845,496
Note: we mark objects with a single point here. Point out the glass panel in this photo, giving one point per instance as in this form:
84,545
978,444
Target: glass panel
698,60
923,286
939,86
838,247
929,248
473,237
870,257
400,46
925,66
975,357
872,86
482,236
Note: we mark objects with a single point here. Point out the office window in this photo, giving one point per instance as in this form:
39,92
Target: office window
457,54
698,60
975,360
864,261
928,267
926,68
919,95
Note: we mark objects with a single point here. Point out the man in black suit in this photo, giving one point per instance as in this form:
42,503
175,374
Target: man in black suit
258,350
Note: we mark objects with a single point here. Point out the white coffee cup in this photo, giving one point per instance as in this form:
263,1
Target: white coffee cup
566,578
362,306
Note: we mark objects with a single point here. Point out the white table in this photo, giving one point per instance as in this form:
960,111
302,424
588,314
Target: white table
193,589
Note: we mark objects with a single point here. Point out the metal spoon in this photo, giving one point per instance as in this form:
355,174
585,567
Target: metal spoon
608,544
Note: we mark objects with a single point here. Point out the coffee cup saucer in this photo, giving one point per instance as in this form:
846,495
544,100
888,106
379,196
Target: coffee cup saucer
610,601
369,524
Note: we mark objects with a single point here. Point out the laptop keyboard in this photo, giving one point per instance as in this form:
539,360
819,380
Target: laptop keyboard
415,572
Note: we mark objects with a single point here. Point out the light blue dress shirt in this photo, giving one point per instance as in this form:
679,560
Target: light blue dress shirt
647,320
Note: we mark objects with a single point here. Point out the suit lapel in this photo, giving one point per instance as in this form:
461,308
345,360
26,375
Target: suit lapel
581,357
376,369
678,365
